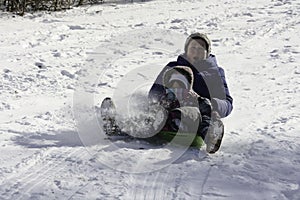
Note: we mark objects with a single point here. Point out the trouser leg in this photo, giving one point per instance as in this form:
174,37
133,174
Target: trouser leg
184,119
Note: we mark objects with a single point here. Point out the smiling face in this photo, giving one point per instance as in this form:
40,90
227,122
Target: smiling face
196,51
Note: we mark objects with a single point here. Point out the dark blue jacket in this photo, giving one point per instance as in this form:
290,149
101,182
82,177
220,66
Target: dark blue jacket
209,82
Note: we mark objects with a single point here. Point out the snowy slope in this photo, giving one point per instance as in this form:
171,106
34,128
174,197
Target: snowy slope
57,67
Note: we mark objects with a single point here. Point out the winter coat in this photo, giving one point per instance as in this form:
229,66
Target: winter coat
209,82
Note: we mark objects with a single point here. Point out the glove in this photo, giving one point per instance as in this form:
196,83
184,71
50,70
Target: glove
169,100
205,106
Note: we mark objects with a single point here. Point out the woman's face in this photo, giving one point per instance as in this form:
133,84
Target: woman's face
196,51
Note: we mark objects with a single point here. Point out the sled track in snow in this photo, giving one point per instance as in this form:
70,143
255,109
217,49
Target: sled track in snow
265,161
20,184
186,178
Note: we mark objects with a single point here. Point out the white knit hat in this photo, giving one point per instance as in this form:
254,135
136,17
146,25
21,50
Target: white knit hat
180,78
181,74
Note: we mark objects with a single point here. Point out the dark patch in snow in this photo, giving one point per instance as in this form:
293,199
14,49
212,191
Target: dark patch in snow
76,27
6,70
66,73
40,65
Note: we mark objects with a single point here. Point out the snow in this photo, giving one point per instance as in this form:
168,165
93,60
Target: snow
57,67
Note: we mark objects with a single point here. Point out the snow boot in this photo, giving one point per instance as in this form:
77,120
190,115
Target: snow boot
215,133
108,115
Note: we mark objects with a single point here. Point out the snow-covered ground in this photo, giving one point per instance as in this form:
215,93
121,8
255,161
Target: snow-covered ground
54,63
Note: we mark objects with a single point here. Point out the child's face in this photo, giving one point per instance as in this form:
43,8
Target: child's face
196,51
177,80
176,84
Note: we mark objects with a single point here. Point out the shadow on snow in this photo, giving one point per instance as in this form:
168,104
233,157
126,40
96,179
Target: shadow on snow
44,140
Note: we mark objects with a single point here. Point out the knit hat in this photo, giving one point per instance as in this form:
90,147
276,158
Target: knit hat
201,36
181,74
179,78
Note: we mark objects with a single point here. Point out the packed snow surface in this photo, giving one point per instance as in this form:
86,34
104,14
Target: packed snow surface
56,68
